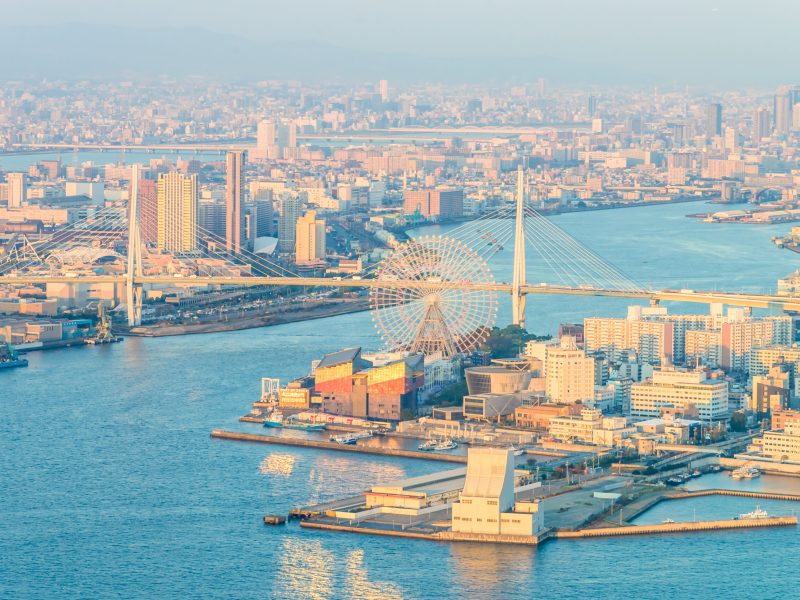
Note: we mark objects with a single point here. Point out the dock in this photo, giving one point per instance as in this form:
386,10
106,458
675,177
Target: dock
678,527
323,445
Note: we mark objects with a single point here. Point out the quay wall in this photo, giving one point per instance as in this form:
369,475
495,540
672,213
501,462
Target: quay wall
678,527
323,445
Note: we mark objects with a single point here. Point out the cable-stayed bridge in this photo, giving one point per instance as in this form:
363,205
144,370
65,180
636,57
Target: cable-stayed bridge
429,288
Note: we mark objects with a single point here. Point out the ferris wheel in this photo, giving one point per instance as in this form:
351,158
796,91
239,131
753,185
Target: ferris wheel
433,312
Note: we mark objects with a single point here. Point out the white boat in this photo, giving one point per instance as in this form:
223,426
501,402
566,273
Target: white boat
758,513
428,446
752,473
446,444
516,451
351,438
667,521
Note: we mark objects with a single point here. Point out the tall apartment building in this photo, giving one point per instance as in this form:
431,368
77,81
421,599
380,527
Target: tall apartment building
652,340
234,200
740,334
691,392
439,203
762,124
148,210
570,374
290,205
177,212
703,347
17,189
310,239
265,139
771,392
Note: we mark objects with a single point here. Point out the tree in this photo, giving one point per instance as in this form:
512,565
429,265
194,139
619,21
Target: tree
739,421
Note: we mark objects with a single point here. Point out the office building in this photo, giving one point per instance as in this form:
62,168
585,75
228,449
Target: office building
781,445
690,392
211,218
383,90
17,189
177,212
713,120
310,239
289,205
435,204
234,200
590,427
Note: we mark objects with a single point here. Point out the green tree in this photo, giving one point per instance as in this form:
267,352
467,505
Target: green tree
739,421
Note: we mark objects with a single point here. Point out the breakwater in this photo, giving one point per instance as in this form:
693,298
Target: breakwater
323,445
678,527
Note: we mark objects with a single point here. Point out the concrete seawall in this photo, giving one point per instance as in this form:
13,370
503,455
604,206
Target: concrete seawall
678,527
323,445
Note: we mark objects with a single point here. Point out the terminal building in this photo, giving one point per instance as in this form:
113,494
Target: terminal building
690,392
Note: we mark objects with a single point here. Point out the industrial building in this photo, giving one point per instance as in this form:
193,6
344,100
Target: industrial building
487,504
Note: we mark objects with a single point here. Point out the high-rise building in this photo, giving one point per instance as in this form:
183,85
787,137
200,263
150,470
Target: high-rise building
434,203
290,206
383,90
17,189
714,120
265,138
310,240
569,373
762,126
234,198
148,210
211,218
177,212
260,215
785,103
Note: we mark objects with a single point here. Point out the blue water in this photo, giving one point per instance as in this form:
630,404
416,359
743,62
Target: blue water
110,486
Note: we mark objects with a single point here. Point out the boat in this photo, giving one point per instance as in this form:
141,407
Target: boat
746,472
667,521
9,358
428,446
752,473
516,451
758,513
350,438
276,419
446,444
696,473
103,335
673,481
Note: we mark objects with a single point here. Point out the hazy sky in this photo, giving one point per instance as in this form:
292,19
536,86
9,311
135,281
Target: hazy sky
658,35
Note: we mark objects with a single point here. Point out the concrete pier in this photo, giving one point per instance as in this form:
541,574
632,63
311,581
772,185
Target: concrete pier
323,445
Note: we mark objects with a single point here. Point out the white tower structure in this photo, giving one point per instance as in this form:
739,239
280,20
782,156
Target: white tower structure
517,296
134,290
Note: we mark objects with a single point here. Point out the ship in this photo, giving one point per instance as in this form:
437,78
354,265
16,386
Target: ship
746,472
446,444
349,439
758,513
428,446
9,358
276,419
103,335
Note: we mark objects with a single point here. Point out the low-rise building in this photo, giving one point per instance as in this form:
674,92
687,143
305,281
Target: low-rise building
688,391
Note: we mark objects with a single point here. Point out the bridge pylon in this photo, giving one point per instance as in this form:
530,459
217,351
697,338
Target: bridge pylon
134,291
517,295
